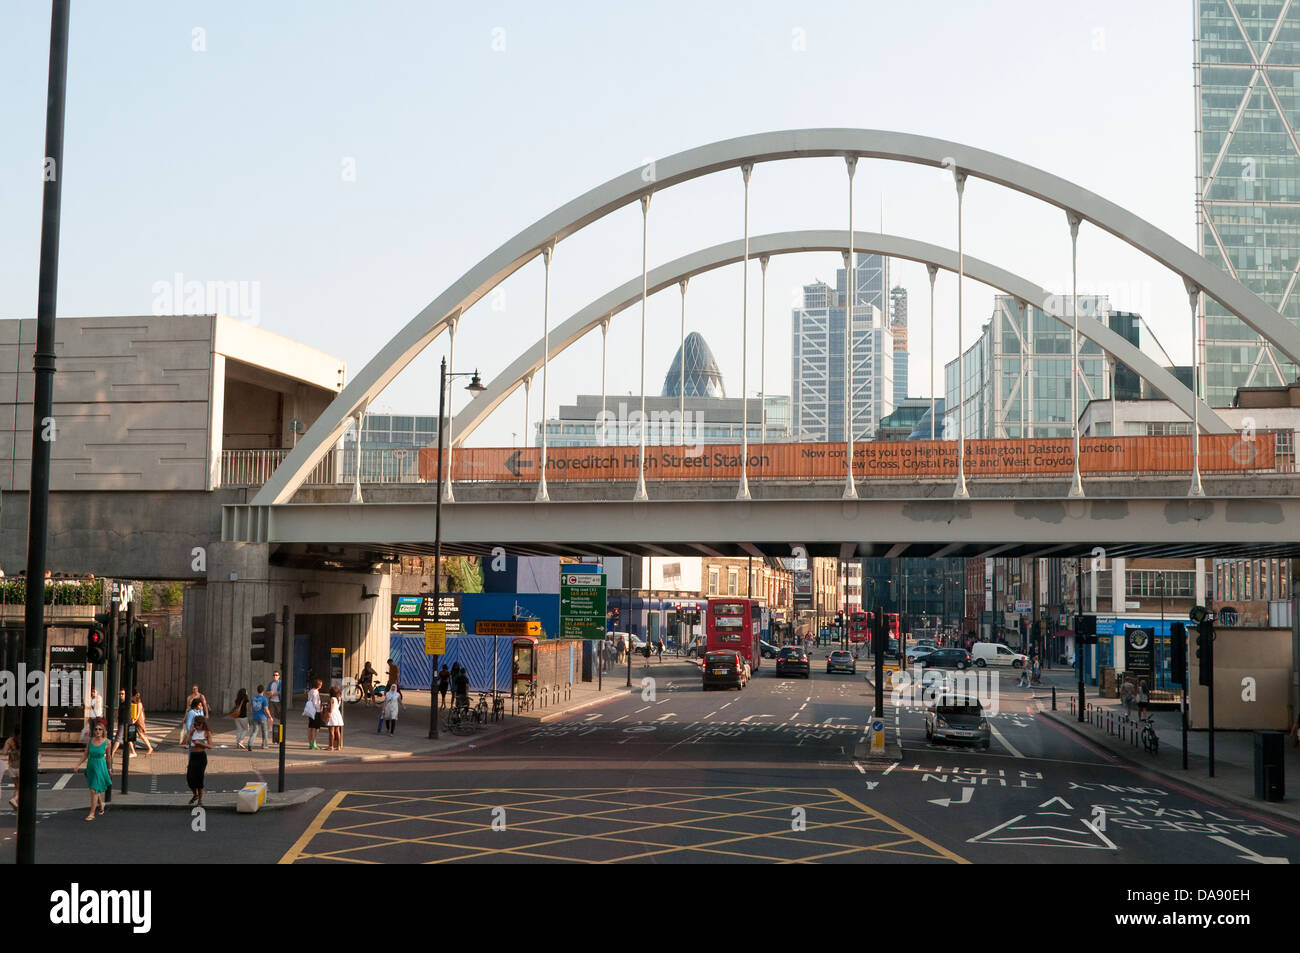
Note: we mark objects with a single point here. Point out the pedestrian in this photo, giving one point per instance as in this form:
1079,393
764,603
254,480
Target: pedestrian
311,711
460,687
94,712
203,701
1022,680
123,721
367,683
661,648
240,714
444,682
137,719
12,752
393,671
98,767
335,719
195,711
273,696
392,705
1143,699
200,740
261,710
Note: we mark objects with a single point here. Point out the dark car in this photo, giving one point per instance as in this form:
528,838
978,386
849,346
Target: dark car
841,661
793,660
946,658
957,718
723,669
767,649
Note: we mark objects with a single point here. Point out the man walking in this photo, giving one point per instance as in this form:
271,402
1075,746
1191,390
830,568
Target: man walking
261,717
273,697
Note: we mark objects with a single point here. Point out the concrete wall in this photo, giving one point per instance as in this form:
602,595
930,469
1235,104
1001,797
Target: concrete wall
130,403
124,535
140,402
240,585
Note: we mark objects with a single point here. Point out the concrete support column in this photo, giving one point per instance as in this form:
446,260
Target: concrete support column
932,270
850,279
1193,294
547,253
742,493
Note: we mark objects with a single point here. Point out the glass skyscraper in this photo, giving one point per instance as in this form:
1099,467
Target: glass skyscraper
817,356
1246,66
1018,372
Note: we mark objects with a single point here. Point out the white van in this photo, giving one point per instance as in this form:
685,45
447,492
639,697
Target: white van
995,653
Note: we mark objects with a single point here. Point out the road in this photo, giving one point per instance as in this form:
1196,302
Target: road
674,774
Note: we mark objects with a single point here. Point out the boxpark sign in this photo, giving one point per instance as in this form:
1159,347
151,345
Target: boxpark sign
1116,456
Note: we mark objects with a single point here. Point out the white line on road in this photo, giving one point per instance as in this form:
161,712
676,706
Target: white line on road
861,769
620,717
1003,741
890,768
595,716
711,714
726,706
60,784
639,710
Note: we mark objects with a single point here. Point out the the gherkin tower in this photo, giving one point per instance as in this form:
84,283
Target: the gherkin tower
703,379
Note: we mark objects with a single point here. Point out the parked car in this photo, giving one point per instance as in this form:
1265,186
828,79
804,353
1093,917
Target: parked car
725,669
695,648
841,661
957,718
793,660
946,658
995,653
767,649
917,652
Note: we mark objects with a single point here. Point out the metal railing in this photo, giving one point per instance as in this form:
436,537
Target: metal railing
996,460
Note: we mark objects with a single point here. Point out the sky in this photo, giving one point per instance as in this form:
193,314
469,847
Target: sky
346,163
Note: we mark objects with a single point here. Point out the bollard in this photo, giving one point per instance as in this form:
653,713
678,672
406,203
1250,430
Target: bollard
1053,698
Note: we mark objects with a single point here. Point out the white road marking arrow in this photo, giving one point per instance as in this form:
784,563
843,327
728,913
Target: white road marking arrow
871,785
1248,854
966,794
1062,803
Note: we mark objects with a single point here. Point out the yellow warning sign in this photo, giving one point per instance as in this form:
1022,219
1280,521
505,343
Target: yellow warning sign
435,638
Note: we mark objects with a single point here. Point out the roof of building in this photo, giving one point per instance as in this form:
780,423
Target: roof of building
702,378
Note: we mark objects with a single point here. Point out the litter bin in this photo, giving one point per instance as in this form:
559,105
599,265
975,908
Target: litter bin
1270,783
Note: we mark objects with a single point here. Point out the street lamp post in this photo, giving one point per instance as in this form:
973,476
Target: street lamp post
475,386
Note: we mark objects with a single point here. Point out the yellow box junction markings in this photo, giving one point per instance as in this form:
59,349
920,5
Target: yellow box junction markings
690,813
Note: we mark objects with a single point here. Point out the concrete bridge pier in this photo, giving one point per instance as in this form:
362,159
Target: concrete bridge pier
326,610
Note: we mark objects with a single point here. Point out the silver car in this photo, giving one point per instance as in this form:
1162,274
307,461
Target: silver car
957,718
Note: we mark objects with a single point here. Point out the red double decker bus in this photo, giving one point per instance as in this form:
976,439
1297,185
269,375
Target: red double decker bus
859,627
868,619
734,624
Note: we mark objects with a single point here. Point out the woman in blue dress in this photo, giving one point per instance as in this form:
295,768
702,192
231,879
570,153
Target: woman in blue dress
97,777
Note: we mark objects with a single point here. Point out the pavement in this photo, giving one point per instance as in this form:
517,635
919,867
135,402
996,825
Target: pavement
158,780
1234,751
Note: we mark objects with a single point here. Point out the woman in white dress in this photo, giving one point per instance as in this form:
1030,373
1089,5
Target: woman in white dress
335,720
311,711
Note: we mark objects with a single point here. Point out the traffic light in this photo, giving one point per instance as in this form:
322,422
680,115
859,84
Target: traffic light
879,633
97,638
263,638
1205,650
1085,629
613,614
142,636
1178,653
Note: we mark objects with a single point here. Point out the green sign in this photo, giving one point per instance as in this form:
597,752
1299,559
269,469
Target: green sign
582,605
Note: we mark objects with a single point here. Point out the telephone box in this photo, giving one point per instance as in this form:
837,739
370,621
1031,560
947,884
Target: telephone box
523,667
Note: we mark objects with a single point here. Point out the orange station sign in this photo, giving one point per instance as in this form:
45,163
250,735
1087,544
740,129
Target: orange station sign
1112,456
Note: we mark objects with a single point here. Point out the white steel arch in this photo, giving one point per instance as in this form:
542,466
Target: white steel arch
672,273
732,153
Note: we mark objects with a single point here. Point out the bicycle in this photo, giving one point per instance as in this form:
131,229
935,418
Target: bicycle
480,713
526,699
460,720
1150,741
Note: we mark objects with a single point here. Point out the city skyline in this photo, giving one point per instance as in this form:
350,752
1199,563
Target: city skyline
367,230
